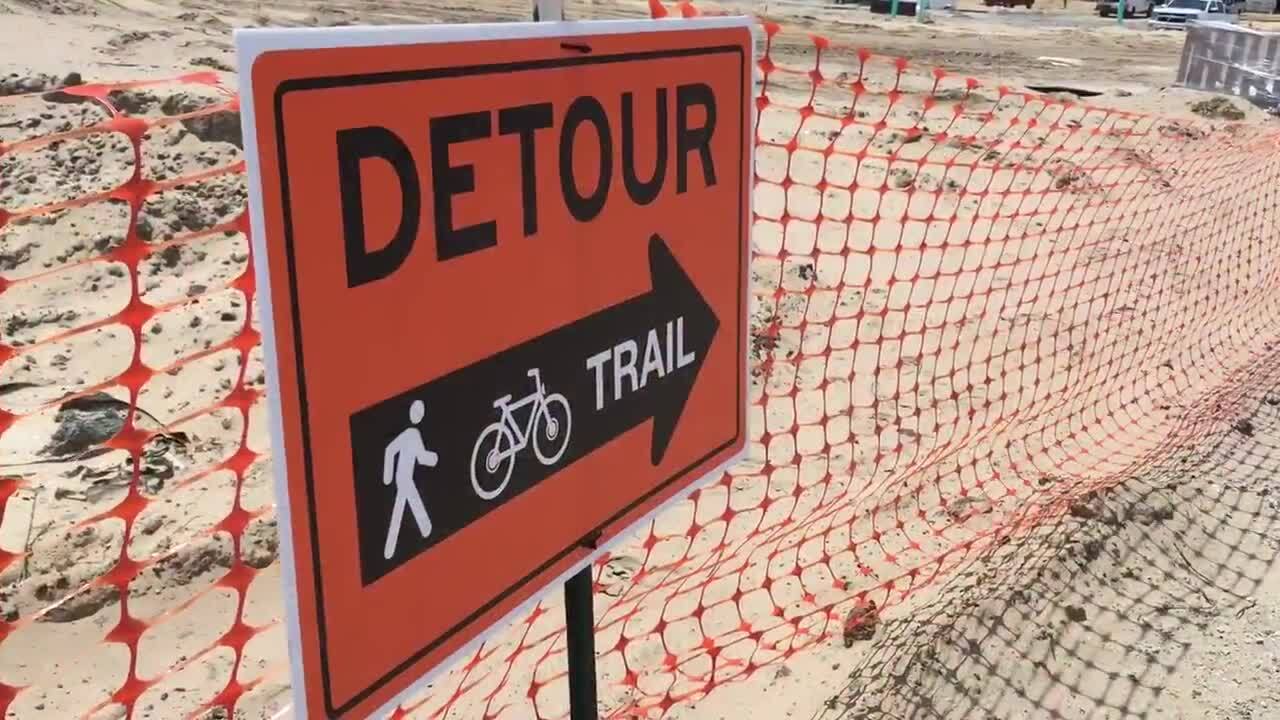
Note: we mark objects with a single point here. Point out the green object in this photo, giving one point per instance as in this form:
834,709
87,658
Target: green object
1120,12
893,8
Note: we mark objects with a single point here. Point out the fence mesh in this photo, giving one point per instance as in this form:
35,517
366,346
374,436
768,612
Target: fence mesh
972,307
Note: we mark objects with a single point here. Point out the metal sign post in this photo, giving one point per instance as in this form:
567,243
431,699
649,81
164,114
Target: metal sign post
579,606
580,643
548,10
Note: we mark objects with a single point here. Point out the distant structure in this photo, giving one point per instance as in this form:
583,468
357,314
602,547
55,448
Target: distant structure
1223,58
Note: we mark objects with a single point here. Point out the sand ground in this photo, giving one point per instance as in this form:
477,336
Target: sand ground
1156,597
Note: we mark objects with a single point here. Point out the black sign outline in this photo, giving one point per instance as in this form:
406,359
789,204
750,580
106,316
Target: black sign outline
336,81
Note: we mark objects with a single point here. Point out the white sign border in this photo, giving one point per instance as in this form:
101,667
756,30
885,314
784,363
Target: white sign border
249,45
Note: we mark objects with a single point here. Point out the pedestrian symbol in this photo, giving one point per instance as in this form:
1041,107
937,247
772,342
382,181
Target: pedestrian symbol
401,460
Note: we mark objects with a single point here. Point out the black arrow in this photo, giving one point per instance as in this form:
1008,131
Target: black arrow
614,370
662,399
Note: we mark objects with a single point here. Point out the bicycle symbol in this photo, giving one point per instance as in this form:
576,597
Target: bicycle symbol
494,456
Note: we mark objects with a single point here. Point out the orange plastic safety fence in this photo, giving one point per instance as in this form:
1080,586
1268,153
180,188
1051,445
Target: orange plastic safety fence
128,401
971,306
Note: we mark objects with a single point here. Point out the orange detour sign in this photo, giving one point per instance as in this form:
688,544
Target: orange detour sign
505,318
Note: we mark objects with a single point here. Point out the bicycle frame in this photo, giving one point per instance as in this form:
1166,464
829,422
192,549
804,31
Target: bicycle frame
510,409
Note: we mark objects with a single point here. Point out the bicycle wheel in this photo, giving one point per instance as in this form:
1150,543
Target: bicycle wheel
551,429
492,461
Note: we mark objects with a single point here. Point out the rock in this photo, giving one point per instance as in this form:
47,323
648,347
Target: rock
861,623
78,606
15,258
1075,613
616,575
965,507
146,231
128,38
1089,507
150,524
260,543
162,458
901,178
212,62
133,102
23,84
1218,108
193,561
1183,131
12,387
1153,511
1089,550
85,422
171,256
223,126
181,103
